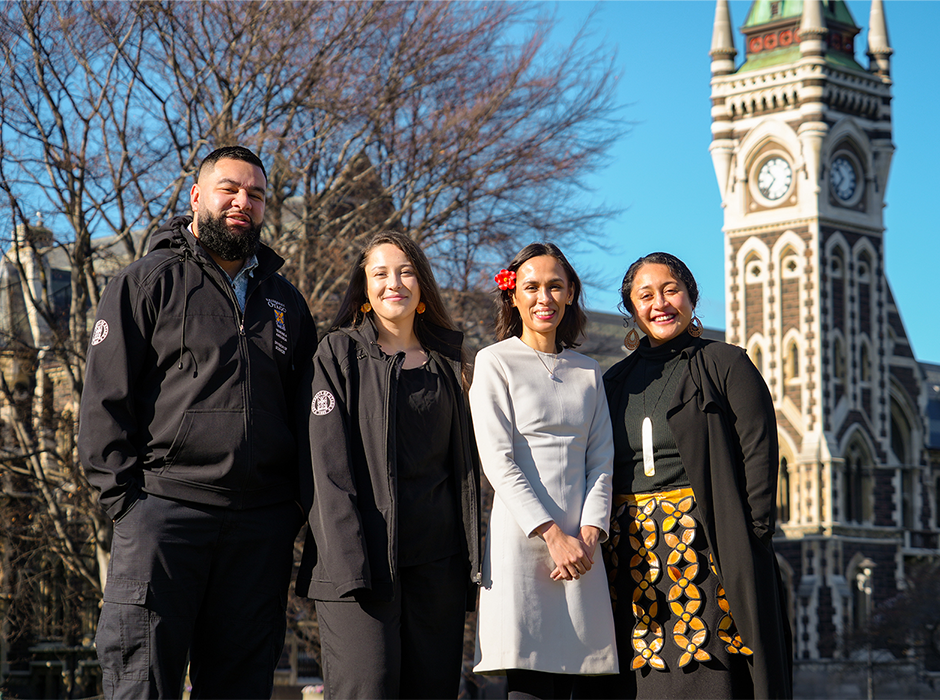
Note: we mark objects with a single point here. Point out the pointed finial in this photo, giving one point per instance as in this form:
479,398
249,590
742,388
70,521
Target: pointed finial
879,46
812,29
722,51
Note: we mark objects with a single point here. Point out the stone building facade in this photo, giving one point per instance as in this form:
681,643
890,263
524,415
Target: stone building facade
802,148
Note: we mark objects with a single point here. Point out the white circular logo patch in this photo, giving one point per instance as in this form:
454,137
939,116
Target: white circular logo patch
101,332
323,403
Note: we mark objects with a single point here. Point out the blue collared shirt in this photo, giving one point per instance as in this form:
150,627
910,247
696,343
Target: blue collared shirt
240,283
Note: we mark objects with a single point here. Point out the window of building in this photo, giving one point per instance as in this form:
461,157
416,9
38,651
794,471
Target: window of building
865,371
838,360
757,357
856,500
907,499
900,434
791,364
783,492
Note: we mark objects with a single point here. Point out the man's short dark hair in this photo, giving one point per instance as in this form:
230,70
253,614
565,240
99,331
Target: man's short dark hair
232,153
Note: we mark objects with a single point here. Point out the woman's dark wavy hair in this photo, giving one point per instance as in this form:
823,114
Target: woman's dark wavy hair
676,267
508,320
350,313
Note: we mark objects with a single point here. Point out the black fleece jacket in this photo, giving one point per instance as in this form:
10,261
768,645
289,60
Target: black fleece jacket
185,396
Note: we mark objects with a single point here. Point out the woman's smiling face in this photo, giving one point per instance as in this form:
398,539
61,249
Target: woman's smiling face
392,285
541,294
661,304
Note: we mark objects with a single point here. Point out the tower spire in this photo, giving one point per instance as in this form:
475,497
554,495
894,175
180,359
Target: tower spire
722,51
812,29
879,47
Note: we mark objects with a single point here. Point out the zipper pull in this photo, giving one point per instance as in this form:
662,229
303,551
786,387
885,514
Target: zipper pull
241,328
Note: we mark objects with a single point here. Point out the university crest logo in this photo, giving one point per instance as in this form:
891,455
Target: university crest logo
323,403
100,332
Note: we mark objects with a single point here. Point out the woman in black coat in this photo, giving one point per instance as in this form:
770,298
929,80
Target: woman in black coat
698,602
392,555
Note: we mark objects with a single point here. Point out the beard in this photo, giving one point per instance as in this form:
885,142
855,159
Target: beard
215,235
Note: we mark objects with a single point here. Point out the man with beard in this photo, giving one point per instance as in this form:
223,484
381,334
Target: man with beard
189,433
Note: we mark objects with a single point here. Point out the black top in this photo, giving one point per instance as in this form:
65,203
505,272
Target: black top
647,391
427,502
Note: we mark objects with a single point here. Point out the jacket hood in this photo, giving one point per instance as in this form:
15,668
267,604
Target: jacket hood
175,234
169,233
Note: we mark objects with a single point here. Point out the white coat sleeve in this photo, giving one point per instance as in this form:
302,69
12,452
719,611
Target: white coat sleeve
599,463
494,425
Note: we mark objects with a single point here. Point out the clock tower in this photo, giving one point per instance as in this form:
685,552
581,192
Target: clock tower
802,148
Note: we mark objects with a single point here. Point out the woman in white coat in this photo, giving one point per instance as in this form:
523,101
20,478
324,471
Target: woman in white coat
545,442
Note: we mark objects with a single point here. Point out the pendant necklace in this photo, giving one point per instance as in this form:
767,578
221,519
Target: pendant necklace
551,371
649,467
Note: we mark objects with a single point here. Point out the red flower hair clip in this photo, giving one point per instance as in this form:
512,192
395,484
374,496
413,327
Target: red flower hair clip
506,279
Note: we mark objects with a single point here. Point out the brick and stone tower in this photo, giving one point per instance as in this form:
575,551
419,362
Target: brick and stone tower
802,148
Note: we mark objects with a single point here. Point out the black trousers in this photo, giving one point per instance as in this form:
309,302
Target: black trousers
409,647
195,581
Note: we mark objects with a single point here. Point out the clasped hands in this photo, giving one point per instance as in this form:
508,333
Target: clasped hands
573,556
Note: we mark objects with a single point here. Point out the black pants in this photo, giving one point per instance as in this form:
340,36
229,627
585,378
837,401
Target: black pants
198,581
522,684
409,647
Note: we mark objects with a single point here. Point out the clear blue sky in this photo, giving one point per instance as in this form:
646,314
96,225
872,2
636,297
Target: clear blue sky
661,172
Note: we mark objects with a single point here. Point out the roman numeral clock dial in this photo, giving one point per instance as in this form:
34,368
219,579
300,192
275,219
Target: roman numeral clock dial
774,177
842,178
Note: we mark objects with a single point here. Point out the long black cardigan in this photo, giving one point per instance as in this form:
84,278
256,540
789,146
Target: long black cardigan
722,419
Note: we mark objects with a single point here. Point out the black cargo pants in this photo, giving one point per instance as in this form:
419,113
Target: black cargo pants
198,582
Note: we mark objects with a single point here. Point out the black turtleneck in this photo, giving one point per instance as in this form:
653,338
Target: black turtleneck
647,391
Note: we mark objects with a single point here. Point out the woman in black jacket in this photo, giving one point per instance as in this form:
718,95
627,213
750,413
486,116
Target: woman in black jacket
393,552
699,607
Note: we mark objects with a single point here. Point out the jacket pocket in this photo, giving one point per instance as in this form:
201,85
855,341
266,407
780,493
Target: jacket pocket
206,438
123,636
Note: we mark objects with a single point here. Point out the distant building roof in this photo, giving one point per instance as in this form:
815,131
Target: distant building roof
767,11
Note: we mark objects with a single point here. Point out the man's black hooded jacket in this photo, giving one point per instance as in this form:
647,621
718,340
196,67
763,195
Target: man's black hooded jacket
186,397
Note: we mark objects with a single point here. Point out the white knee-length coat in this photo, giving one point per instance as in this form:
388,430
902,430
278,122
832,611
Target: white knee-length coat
546,447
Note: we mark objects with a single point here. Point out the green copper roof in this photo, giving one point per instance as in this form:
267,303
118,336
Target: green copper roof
791,54
761,12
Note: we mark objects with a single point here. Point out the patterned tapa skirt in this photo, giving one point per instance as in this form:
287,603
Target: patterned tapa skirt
675,633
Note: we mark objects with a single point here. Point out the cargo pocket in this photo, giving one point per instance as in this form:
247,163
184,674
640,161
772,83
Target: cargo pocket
123,636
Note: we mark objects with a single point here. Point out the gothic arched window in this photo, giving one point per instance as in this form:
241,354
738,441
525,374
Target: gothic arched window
865,371
783,492
857,485
838,360
791,363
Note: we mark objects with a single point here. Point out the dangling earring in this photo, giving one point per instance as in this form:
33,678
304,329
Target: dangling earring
695,327
366,308
632,340
421,307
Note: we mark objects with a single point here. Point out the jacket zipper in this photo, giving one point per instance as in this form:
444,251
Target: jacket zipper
398,359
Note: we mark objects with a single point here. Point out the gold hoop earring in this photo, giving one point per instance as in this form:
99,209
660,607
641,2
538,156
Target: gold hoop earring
696,328
366,308
420,307
632,340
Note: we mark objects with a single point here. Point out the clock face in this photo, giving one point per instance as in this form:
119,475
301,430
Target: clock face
773,179
842,178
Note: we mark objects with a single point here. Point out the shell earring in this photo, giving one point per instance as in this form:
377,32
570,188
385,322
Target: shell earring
696,328
632,340
366,308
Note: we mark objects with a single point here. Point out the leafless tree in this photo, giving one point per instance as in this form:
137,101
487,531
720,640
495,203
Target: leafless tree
465,125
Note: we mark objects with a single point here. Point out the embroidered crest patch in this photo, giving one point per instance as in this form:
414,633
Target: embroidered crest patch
323,403
100,332
280,325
